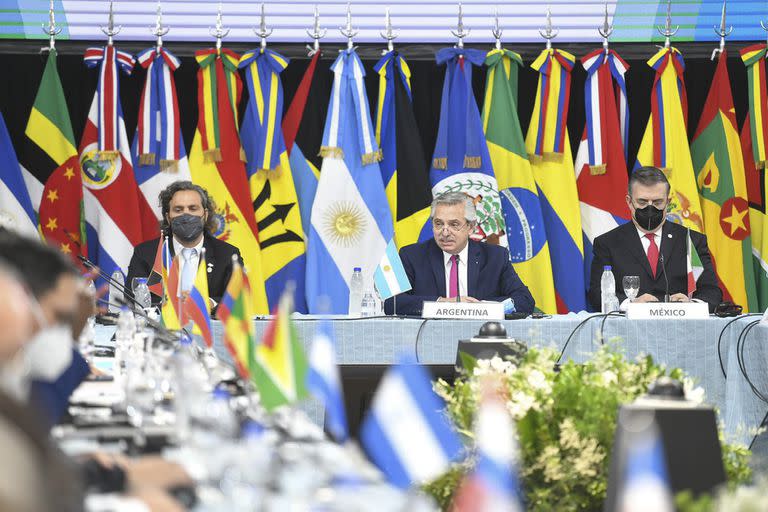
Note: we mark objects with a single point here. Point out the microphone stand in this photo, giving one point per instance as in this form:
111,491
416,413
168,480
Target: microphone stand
666,280
133,302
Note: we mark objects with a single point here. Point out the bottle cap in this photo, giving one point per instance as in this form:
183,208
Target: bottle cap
252,429
357,269
141,280
220,393
607,267
186,339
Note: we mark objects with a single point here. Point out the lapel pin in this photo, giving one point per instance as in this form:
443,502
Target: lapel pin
210,267
669,235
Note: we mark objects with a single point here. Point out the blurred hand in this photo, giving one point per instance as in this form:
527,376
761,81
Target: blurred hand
86,307
679,297
469,299
154,472
646,297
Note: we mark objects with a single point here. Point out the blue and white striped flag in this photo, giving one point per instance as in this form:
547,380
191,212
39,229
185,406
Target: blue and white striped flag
390,276
405,433
324,382
16,211
646,482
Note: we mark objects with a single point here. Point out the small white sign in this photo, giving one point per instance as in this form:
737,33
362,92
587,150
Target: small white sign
464,310
667,310
764,320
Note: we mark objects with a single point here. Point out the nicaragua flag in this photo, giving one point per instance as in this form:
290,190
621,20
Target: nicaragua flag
404,433
324,381
351,221
16,211
390,277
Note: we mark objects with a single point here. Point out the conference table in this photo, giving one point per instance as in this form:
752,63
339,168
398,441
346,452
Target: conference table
692,345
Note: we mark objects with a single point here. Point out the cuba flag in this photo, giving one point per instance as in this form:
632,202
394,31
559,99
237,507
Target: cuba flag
351,222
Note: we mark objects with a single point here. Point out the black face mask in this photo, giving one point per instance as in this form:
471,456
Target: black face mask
649,218
187,227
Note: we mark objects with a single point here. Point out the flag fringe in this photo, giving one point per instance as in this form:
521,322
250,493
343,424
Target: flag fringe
243,156
169,165
212,155
472,162
372,157
272,173
108,155
331,152
598,170
440,163
760,165
147,159
546,157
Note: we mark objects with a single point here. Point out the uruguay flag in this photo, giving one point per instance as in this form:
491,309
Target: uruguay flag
405,433
324,382
16,211
351,221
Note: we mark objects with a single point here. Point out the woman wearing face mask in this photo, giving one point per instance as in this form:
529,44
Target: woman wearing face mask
188,220
653,249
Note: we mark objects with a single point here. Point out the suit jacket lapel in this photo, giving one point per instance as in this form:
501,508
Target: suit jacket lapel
438,267
635,247
473,268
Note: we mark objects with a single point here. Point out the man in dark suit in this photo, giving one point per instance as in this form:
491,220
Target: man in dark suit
450,267
652,249
187,212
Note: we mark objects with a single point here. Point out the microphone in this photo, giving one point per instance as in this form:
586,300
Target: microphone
88,263
458,287
666,281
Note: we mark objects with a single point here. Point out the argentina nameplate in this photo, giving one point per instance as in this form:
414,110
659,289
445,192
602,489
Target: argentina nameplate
464,310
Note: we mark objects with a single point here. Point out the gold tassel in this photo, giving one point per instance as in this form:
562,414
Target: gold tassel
212,155
667,172
107,155
147,159
169,165
330,152
440,163
761,165
597,170
553,157
272,174
372,158
472,162
243,158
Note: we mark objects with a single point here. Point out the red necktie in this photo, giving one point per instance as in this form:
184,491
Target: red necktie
653,253
453,280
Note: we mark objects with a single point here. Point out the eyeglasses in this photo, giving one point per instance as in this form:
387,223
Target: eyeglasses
453,226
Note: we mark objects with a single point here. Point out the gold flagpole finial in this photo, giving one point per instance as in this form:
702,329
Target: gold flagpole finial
667,31
389,33
347,31
460,33
263,32
722,32
219,32
549,32
51,29
159,30
110,30
316,34
606,29
496,30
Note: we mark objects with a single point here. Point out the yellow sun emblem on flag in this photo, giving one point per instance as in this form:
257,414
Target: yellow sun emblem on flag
344,223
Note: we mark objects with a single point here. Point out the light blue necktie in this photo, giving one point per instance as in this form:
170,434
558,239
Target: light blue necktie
188,271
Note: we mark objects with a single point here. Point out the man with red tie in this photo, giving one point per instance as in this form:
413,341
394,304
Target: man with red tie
652,249
452,268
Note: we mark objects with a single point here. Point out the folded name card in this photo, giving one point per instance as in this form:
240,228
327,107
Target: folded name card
466,310
658,310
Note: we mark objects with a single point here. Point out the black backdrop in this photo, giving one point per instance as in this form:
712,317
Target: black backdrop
22,66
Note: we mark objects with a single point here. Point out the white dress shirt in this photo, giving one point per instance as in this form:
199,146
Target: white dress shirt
462,271
195,260
646,244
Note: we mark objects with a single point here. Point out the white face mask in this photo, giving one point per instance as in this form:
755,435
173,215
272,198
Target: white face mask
49,353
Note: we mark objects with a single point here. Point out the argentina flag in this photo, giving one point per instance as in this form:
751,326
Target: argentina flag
390,277
405,434
351,222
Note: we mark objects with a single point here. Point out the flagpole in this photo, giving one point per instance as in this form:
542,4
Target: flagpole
549,32
722,32
496,30
159,30
389,33
316,34
51,29
219,32
110,30
263,32
605,30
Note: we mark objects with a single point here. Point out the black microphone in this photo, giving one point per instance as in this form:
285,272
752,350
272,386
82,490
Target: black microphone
88,263
666,281
458,287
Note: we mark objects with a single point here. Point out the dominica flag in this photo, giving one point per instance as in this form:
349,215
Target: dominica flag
403,165
695,268
280,364
236,314
273,191
719,164
753,140
549,150
524,222
196,307
665,141
51,168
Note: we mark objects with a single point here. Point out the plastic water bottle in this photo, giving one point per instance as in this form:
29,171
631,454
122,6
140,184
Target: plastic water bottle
116,293
356,292
368,304
608,291
141,294
126,329
190,383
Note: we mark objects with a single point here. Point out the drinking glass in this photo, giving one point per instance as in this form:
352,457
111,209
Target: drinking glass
631,286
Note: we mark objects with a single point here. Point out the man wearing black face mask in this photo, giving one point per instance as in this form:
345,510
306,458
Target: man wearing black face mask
188,219
651,248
